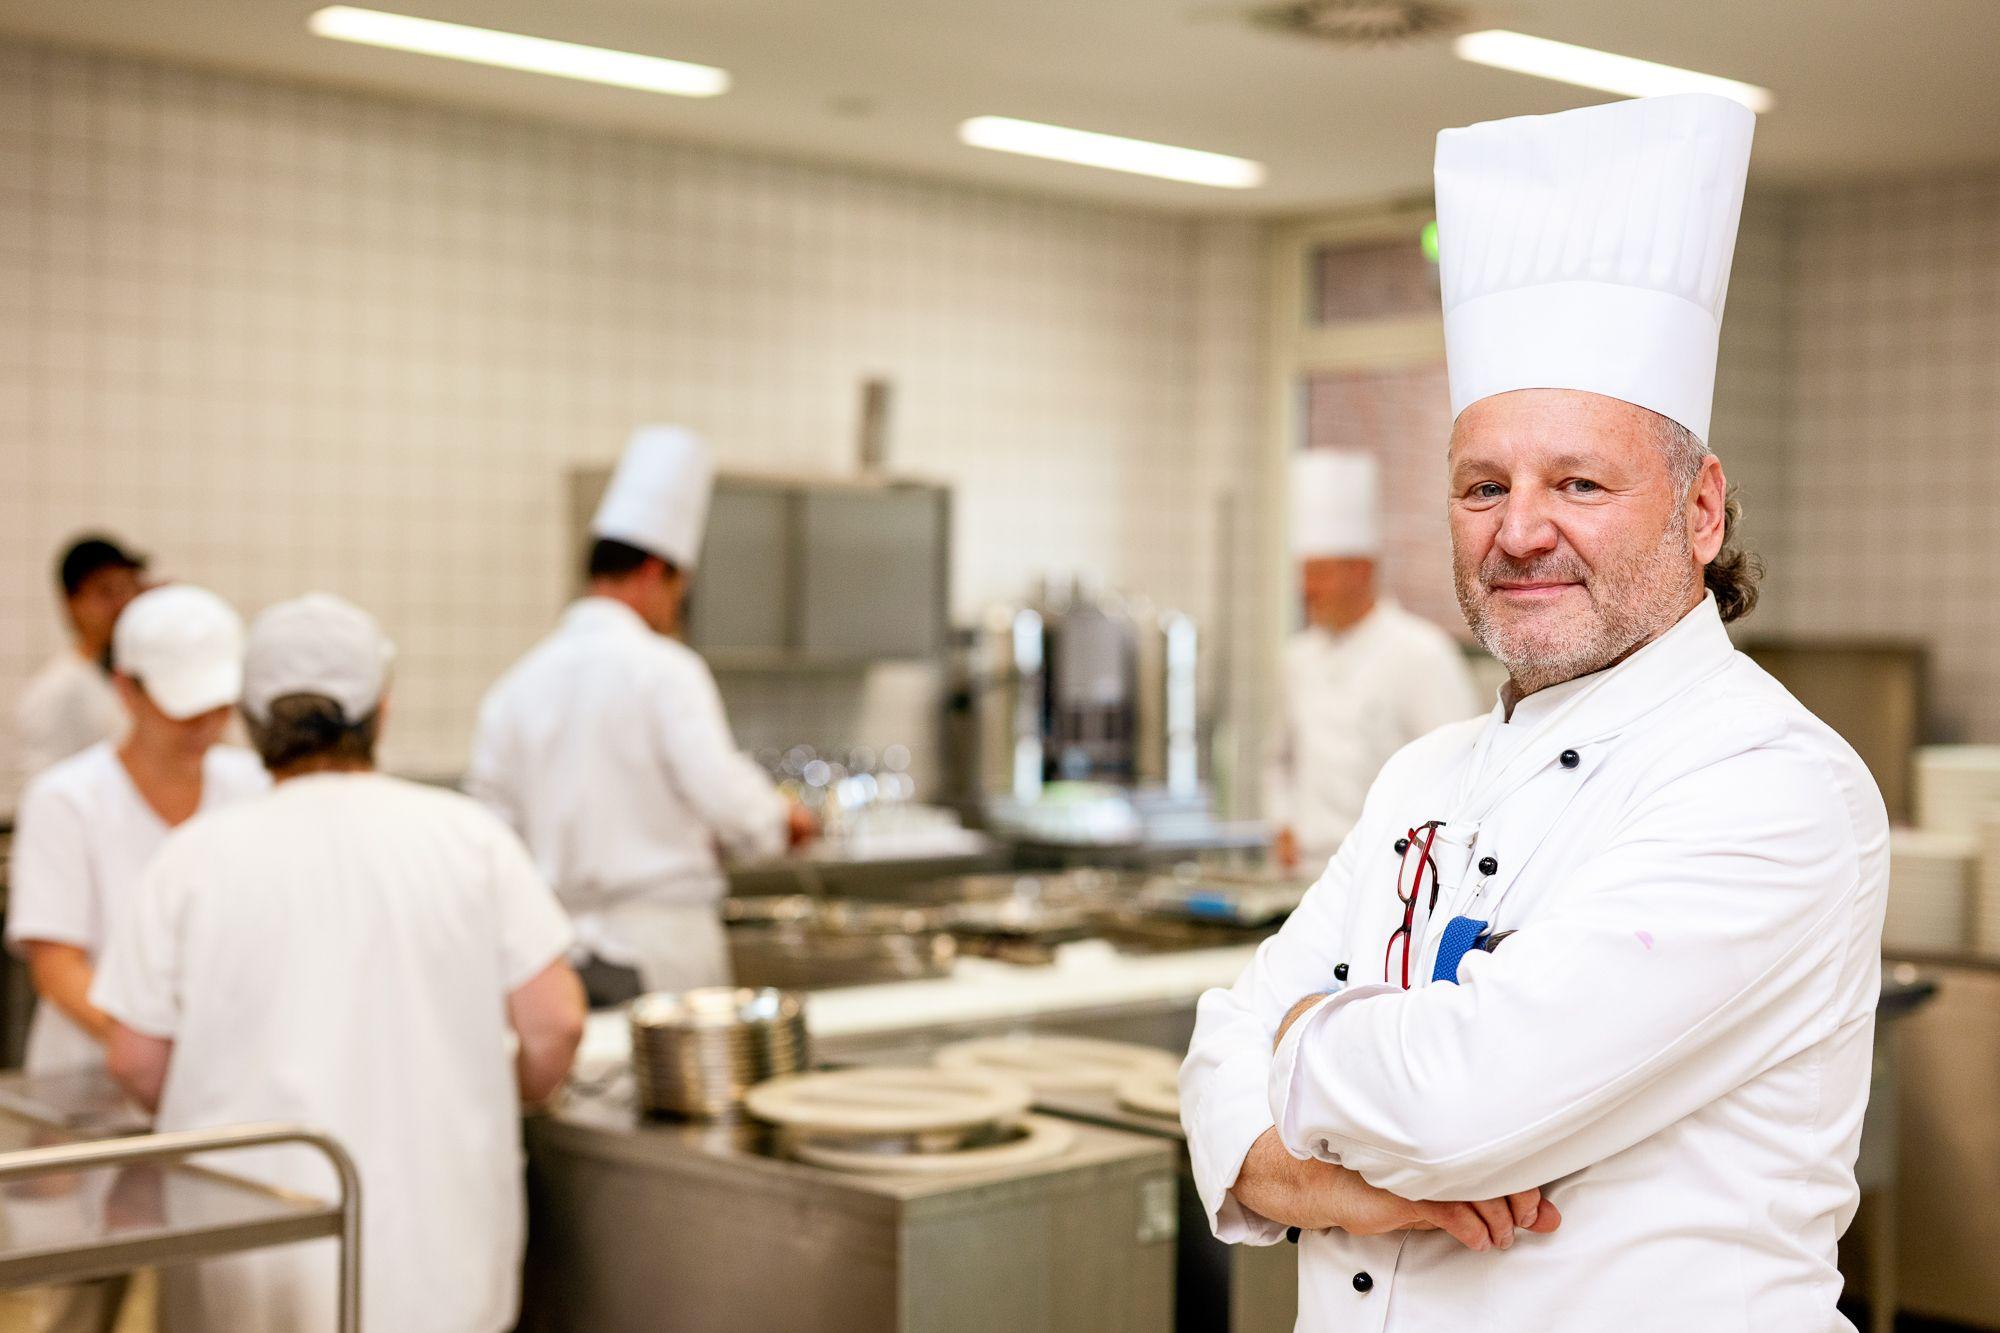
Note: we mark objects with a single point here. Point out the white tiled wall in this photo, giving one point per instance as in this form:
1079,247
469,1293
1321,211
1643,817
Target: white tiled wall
288,338
1894,469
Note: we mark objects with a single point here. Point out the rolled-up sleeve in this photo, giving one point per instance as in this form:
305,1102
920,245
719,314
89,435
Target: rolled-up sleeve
1699,948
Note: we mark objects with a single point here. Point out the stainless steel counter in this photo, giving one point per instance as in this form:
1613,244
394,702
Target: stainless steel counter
668,1226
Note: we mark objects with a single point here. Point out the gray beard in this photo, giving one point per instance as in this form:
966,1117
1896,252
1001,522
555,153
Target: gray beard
1636,599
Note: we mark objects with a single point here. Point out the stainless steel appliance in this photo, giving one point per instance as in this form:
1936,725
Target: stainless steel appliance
638,1224
1076,685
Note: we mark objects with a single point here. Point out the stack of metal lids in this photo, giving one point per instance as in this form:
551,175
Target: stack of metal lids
697,1052
1958,787
1931,886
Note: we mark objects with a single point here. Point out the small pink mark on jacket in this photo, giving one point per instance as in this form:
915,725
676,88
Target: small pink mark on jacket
1645,937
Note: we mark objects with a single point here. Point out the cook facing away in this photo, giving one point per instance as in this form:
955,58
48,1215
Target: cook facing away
607,749
1593,979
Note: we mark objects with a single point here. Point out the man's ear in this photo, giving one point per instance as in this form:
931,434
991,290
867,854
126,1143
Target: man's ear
1707,504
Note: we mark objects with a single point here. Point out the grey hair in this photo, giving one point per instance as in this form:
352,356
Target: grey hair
1734,574
307,727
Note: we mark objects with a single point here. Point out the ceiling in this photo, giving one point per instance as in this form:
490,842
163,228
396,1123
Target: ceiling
1863,87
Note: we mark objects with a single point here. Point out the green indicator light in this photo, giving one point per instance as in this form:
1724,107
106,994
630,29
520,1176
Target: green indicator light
1428,238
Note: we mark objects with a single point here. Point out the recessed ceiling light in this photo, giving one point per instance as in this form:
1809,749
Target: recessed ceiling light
512,50
1586,68
1111,152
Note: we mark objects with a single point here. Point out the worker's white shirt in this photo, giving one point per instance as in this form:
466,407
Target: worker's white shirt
338,953
83,838
68,706
1675,1043
1350,700
607,749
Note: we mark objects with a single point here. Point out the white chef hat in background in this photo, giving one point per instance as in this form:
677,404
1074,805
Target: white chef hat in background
658,497
316,644
1336,504
1590,250
184,645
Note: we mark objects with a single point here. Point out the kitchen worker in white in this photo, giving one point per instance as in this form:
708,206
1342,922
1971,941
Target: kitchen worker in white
1602,965
607,749
89,826
70,705
87,829
1364,677
358,953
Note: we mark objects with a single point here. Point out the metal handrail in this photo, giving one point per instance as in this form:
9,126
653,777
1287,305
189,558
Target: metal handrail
175,1145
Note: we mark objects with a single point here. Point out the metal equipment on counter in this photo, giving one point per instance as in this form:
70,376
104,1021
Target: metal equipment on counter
799,943
1077,686
698,1052
645,1224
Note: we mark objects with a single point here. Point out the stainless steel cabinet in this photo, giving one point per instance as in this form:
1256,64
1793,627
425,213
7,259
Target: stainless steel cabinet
806,573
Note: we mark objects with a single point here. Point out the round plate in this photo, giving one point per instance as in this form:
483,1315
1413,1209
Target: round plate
1041,1139
1049,1063
888,1100
1153,1093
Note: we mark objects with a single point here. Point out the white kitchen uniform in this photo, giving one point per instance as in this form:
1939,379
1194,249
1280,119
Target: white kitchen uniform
68,706
1674,1043
1350,699
83,839
338,953
607,749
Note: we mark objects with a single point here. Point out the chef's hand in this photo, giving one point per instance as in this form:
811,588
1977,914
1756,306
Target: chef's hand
800,826
1285,849
1319,1196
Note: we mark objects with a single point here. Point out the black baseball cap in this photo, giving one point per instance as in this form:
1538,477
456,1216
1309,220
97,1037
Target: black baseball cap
92,554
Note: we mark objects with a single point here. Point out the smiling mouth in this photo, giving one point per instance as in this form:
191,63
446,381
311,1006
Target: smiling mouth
1531,592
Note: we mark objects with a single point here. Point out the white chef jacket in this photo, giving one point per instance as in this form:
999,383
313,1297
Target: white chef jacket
338,953
1349,700
83,839
607,750
68,706
1675,1044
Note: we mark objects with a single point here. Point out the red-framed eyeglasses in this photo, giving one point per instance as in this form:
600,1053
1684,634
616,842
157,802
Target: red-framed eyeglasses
1419,841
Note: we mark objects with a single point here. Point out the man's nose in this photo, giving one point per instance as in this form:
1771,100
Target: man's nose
1526,528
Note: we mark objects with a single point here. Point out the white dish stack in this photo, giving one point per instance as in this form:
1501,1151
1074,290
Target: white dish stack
1931,878
1958,793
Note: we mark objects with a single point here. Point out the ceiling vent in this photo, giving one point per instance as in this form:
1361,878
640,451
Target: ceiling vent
1362,22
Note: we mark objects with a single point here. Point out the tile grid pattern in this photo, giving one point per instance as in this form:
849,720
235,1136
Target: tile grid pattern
289,338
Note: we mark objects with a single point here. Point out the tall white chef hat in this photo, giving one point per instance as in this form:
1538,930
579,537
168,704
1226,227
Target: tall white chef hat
1336,507
658,497
1590,250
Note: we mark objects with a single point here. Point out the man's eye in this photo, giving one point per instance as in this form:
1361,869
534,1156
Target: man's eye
1487,490
1584,486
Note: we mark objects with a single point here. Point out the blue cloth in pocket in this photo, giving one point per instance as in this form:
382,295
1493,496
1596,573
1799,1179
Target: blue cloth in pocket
1461,936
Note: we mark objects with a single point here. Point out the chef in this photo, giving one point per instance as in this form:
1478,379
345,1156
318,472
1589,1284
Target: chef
89,826
607,749
358,953
1574,1033
1362,679
70,705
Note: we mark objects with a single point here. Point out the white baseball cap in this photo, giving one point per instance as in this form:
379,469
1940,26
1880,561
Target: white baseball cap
184,645
316,644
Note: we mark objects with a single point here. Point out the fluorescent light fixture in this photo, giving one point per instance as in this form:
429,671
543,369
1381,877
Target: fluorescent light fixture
1111,152
1586,68
511,50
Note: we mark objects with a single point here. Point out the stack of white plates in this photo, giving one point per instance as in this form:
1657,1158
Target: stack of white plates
1931,879
1958,787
